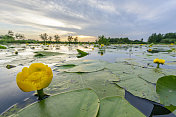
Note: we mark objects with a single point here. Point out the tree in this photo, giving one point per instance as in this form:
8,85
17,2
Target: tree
10,33
19,36
70,38
102,40
155,38
44,37
50,38
57,38
76,39
142,40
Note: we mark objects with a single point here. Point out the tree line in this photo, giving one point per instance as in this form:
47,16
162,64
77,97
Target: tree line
12,37
106,41
162,38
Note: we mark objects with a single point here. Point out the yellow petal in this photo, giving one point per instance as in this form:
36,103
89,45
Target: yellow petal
156,60
161,61
36,77
36,67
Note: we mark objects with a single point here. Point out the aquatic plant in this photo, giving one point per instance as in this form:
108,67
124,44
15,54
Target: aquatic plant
159,61
102,45
2,47
151,44
36,77
165,88
149,50
81,53
16,52
10,66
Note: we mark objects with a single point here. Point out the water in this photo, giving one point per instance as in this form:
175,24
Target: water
10,94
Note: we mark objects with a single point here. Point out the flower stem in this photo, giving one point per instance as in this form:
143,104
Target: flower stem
157,65
40,94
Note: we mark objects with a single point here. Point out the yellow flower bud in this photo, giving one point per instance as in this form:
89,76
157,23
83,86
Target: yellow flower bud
102,45
156,60
36,77
161,61
149,50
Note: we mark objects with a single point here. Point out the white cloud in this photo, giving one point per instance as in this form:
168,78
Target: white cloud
90,17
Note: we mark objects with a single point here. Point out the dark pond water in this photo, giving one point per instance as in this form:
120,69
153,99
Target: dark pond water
10,94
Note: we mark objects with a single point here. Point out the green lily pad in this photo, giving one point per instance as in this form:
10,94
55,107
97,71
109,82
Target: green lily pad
164,56
135,79
100,82
151,75
10,66
77,62
67,66
3,47
46,53
117,107
140,88
166,89
81,53
79,103
84,67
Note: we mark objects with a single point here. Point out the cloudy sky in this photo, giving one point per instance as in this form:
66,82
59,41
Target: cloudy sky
87,19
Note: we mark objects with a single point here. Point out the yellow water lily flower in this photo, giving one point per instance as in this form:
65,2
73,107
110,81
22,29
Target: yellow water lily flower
156,60
161,61
172,44
102,45
36,77
149,50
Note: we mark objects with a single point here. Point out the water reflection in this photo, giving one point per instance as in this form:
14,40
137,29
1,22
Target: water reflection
10,94
101,51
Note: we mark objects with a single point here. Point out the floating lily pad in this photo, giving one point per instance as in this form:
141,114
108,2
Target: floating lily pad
79,103
166,89
86,68
157,50
140,88
100,82
83,67
46,53
10,66
3,47
117,107
67,66
135,80
167,57
76,62
81,53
